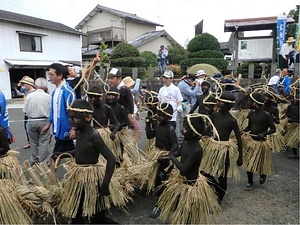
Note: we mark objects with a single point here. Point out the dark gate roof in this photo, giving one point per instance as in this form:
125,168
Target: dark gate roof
250,24
33,21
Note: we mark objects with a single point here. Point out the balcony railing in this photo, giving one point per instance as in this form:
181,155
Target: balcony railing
106,35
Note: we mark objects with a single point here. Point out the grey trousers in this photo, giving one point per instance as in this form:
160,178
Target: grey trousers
180,117
39,142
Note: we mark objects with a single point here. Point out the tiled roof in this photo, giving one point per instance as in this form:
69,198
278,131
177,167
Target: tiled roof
125,15
149,36
33,21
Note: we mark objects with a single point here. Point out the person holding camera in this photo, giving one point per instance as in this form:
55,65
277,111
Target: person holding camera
162,60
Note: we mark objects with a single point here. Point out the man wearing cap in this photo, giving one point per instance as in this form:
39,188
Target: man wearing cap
285,50
27,83
125,99
170,93
200,76
189,96
37,108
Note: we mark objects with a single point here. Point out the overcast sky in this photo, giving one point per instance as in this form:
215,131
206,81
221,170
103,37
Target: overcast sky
179,17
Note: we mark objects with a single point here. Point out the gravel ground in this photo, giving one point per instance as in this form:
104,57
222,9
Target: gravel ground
276,202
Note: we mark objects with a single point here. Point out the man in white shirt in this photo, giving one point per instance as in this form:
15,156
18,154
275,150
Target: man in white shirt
275,79
285,50
170,93
37,108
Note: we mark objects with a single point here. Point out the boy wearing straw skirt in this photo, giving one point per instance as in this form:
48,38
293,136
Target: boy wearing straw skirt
222,156
83,190
187,198
276,139
103,115
292,135
257,158
165,142
120,112
151,121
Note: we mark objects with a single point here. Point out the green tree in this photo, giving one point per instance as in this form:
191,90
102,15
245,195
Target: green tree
291,29
150,57
126,56
204,48
176,53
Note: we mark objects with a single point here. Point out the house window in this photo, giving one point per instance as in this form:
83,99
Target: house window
30,43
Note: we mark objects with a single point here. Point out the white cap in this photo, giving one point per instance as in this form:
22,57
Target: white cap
200,72
168,74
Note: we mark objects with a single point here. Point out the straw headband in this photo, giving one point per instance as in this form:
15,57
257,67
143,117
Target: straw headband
112,93
225,100
162,110
258,102
80,110
93,93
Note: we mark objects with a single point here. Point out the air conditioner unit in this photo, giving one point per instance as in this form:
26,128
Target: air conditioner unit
98,39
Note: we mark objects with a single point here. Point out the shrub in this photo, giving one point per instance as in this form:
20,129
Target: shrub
128,62
206,54
127,71
176,69
176,53
203,41
124,50
151,59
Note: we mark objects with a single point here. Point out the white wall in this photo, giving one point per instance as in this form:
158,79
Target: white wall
56,46
104,20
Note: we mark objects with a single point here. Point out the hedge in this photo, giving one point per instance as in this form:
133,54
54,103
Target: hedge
206,54
150,57
124,50
128,62
127,71
220,64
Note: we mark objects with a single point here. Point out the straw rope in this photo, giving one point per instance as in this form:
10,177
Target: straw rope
8,164
11,211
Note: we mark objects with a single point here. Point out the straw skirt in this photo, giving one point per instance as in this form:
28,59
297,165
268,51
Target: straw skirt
183,203
214,158
257,157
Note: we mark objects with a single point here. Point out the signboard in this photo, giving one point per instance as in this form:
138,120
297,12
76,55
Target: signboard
255,49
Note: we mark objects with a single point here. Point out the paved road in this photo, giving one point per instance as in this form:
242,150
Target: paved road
277,202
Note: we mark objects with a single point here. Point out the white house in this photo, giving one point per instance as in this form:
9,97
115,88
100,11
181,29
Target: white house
113,26
29,45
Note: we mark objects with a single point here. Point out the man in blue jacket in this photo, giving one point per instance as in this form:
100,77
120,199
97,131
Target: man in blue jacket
62,97
4,115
